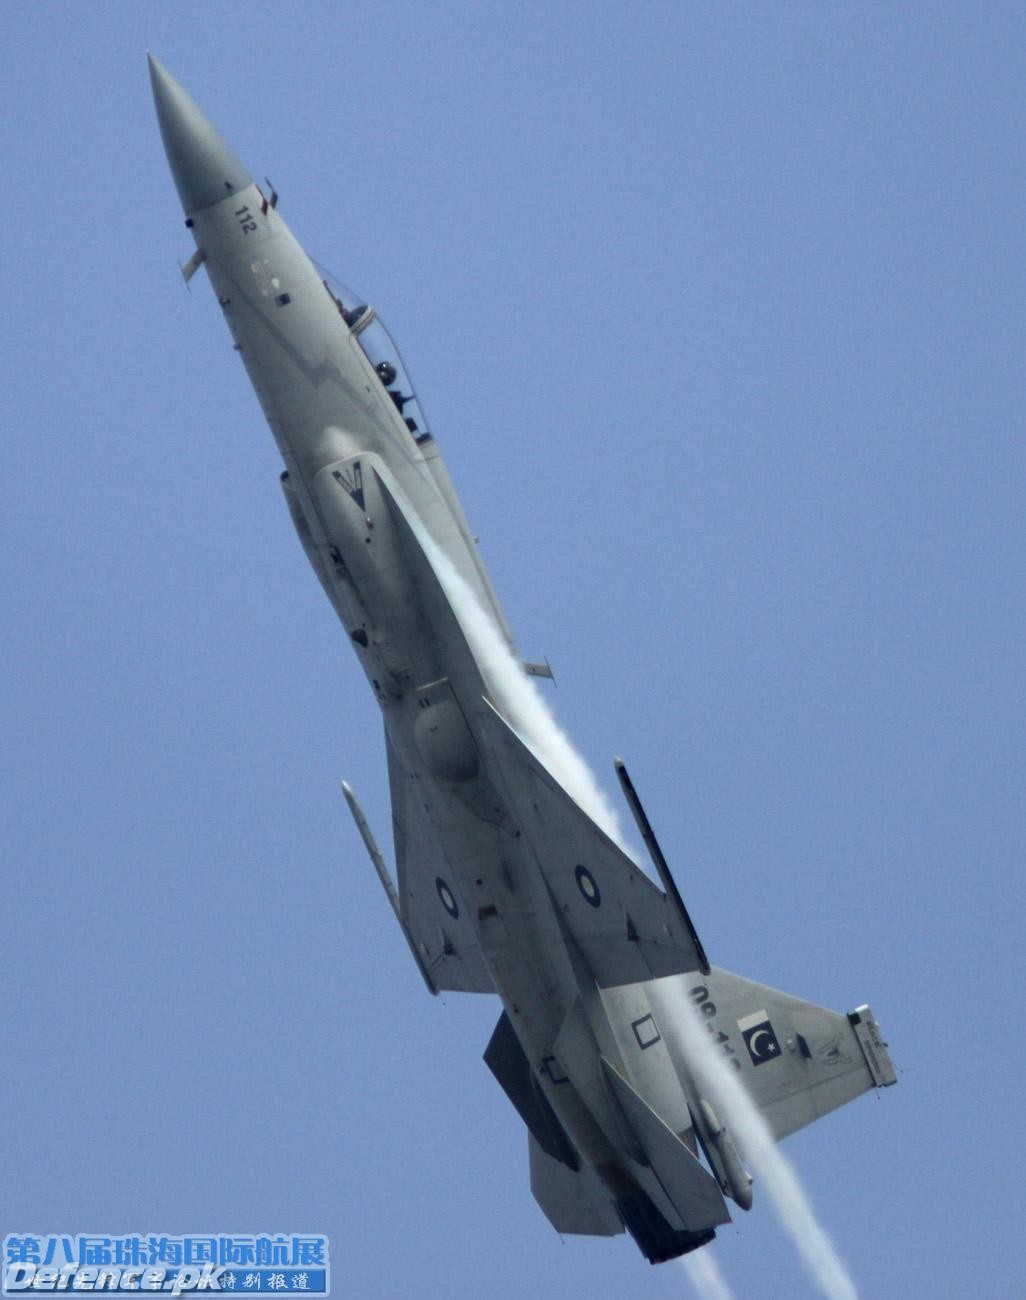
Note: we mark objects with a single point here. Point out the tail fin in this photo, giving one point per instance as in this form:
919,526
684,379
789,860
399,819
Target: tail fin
799,1061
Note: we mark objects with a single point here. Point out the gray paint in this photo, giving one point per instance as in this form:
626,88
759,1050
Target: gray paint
504,883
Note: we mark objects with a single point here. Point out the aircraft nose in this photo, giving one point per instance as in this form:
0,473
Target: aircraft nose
204,167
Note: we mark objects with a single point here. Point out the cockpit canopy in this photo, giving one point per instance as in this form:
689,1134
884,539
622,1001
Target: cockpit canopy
381,352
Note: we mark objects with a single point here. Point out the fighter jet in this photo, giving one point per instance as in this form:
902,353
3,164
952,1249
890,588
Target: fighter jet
509,880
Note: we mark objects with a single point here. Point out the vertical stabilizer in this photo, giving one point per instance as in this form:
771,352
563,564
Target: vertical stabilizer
798,1061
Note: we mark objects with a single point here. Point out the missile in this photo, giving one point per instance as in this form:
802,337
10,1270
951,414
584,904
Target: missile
367,835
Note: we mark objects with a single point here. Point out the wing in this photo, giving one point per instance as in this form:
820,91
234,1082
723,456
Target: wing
429,901
626,928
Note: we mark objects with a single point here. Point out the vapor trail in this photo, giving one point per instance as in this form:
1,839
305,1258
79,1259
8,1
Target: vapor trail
678,1019
519,700
705,1276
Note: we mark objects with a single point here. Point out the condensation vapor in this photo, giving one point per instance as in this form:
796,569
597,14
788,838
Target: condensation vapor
519,700
679,1020
704,1275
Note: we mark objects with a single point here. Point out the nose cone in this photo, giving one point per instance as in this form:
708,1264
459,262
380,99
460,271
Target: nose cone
205,169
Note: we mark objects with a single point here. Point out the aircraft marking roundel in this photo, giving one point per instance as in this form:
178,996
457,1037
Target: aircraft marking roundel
446,895
586,884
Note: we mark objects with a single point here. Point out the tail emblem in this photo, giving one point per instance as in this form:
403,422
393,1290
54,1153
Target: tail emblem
760,1038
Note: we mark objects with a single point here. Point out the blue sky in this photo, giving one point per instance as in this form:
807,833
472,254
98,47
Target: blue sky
716,312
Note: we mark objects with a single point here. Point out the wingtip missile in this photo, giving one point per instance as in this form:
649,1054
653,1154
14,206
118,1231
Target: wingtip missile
656,853
371,845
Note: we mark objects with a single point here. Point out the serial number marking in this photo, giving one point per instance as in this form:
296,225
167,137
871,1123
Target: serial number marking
246,220
700,996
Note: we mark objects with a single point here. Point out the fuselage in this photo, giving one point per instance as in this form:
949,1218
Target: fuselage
510,877
343,438
374,508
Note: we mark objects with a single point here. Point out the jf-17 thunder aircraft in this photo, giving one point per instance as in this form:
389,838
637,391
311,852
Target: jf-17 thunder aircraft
507,883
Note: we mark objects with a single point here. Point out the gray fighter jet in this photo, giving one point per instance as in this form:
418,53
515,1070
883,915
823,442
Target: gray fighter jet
507,883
